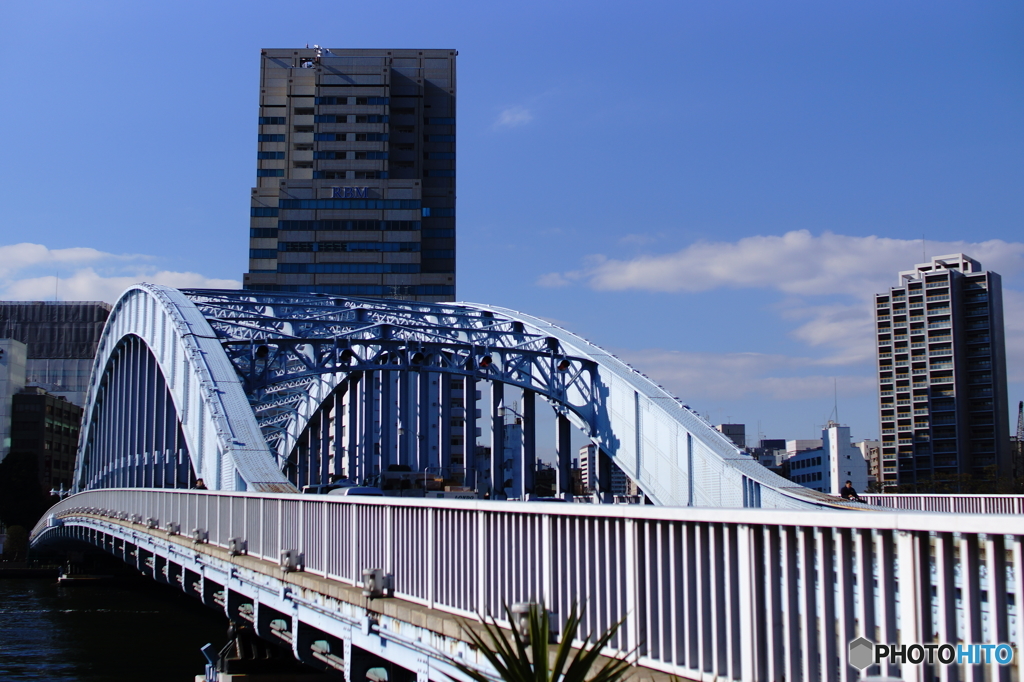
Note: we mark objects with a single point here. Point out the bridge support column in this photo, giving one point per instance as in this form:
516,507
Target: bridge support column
497,482
444,454
429,427
338,450
367,414
406,419
563,448
604,492
529,461
352,429
387,420
469,432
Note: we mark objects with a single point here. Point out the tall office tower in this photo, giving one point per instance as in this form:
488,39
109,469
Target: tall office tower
942,375
355,174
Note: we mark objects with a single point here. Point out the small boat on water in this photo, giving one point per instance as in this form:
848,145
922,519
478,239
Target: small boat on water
70,576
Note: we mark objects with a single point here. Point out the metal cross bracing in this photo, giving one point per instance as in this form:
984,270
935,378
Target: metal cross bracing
277,391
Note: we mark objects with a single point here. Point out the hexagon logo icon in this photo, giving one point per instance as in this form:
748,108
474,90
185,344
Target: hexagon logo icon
862,653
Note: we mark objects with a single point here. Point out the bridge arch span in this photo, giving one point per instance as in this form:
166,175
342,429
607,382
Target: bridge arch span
343,385
165,406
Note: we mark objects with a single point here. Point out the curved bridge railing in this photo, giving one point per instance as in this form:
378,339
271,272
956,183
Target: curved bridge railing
705,594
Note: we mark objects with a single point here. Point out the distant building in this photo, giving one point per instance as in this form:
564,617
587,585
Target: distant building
795,447
828,467
45,429
12,380
621,485
737,433
770,453
60,340
871,451
942,374
355,174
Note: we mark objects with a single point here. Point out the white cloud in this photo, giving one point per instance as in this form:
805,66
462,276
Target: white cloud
701,377
513,117
34,272
827,282
795,263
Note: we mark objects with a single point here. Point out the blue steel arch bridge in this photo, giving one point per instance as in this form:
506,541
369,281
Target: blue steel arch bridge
272,392
733,573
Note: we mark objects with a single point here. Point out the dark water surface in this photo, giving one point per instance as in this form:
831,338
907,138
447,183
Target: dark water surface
128,630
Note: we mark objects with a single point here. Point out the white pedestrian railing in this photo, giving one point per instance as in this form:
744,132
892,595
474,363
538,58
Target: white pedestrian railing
737,594
957,504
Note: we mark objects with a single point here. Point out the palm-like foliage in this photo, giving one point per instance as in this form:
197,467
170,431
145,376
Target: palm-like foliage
522,659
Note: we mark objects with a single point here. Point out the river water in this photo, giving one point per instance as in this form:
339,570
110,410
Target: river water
128,630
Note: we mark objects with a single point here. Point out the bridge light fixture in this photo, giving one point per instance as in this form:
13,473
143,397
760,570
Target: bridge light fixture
291,560
417,358
564,365
347,356
484,362
262,351
375,583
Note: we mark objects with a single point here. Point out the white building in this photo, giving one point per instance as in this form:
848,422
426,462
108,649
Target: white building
588,468
795,447
828,467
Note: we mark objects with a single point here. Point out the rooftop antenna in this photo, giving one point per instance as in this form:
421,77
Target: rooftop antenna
835,402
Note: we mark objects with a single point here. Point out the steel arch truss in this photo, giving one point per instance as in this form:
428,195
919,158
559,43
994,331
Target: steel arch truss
165,406
338,383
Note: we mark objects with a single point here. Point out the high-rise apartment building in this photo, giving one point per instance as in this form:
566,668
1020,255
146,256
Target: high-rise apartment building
942,375
355,186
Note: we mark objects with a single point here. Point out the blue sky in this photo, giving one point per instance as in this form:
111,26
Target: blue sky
712,190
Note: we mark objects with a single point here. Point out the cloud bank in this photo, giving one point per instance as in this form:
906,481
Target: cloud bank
827,282
794,263
33,272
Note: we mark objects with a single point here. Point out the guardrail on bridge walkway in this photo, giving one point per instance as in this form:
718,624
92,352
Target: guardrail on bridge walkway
957,504
738,594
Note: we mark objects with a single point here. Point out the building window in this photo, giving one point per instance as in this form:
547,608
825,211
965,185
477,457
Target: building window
372,118
440,121
269,155
439,138
260,212
350,204
376,156
439,173
438,156
332,100
262,137
373,101
303,111
262,253
302,129
371,137
438,254
438,212
270,173
263,232
271,120
348,268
